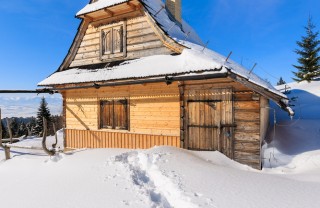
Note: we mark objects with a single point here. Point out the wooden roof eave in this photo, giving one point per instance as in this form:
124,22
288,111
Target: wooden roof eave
168,79
128,2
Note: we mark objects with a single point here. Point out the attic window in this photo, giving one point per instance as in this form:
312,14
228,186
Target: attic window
113,41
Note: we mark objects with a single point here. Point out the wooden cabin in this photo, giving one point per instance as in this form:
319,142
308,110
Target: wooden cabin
137,76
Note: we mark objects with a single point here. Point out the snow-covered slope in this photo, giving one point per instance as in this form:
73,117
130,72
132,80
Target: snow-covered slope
295,144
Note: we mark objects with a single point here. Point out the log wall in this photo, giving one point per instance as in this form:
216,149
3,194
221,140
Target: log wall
155,113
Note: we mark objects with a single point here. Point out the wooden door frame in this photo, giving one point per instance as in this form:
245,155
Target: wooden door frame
184,116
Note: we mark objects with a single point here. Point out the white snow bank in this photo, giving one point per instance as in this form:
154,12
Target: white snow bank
294,146
305,98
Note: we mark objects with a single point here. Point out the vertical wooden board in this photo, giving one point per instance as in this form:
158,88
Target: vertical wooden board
145,141
111,140
126,141
161,141
148,141
134,141
108,139
170,143
82,138
67,137
104,138
201,138
152,141
130,141
208,114
93,141
216,122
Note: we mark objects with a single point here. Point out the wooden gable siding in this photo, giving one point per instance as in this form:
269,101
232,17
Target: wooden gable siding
141,40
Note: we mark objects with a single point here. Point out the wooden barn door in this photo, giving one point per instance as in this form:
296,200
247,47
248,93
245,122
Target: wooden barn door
210,120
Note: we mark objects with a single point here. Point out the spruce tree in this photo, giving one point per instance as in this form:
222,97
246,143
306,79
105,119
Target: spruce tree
281,82
309,59
43,112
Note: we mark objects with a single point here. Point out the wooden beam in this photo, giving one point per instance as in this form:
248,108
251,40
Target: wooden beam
88,18
109,12
104,21
131,5
39,91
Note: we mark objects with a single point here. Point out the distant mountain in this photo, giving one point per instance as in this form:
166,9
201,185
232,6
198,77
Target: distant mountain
26,105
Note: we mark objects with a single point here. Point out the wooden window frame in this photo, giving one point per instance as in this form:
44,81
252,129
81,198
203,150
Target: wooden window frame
114,117
111,30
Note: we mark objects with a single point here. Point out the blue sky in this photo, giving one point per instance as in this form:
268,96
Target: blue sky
36,34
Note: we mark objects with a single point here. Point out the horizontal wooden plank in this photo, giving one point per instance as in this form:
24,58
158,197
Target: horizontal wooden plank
247,105
144,46
142,39
247,136
247,116
247,126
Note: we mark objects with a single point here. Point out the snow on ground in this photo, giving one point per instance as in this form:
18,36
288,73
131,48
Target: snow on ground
164,177
159,177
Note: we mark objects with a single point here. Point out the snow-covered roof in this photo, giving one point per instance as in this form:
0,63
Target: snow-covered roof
99,4
192,60
188,62
179,33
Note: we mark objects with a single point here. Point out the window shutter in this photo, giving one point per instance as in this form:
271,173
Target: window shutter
121,114
106,41
106,114
118,39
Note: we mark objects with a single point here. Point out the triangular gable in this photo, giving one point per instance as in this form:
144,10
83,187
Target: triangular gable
144,37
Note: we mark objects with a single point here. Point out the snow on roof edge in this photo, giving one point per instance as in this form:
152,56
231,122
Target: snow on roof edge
100,4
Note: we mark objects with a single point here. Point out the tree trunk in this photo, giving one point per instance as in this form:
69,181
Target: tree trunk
55,136
44,139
